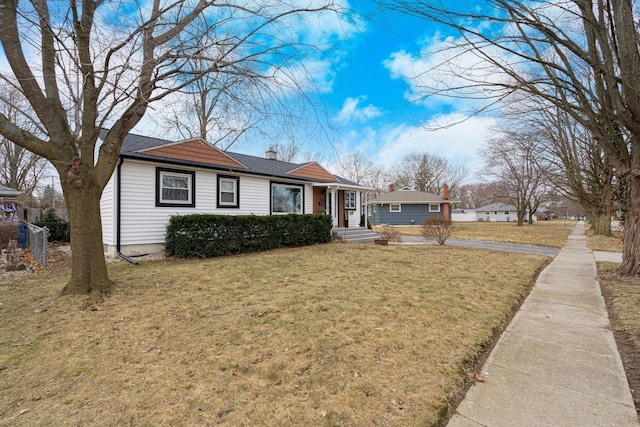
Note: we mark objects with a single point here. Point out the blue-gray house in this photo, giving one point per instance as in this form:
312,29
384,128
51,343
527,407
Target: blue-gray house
408,207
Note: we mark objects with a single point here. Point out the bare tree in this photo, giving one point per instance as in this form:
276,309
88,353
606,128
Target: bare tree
581,56
428,172
102,65
476,195
510,162
19,168
355,166
579,168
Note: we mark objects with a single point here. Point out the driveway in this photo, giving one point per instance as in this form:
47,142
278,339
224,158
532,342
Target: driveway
508,247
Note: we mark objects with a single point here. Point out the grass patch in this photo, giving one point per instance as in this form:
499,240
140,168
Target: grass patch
542,233
622,296
335,334
605,244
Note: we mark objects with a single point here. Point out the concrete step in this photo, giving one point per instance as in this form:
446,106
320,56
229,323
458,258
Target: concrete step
354,234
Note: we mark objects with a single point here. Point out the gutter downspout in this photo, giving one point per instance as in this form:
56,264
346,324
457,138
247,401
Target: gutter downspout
118,216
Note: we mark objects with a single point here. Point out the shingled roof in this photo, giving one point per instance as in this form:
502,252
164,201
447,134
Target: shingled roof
409,197
496,207
9,192
199,153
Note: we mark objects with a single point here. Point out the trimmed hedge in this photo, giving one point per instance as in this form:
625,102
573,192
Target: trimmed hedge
207,236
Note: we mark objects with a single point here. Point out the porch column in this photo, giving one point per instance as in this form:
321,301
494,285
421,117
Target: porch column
334,207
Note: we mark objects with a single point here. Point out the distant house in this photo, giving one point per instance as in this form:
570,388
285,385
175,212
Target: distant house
498,212
9,210
408,207
157,178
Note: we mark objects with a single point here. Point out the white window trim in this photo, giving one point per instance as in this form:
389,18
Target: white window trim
391,205
236,193
437,205
160,201
352,205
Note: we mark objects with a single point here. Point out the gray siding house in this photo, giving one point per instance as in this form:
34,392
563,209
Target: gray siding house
497,212
408,207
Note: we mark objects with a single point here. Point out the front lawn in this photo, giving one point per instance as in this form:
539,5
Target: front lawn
542,233
333,335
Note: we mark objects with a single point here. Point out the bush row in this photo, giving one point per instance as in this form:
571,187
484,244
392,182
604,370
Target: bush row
192,236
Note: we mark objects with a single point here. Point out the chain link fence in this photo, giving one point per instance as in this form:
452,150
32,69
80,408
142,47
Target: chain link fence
36,239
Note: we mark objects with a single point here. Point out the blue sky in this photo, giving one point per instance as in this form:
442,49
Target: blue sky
369,105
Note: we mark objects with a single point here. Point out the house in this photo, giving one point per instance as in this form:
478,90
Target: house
156,179
9,210
409,207
498,212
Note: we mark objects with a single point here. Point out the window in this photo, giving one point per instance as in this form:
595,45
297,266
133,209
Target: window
175,188
286,198
350,200
434,207
394,208
506,212
228,191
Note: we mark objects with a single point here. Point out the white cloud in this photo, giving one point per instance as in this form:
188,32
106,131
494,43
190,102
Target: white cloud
353,111
446,71
458,143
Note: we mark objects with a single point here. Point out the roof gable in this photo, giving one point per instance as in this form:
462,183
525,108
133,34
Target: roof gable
198,153
195,150
313,170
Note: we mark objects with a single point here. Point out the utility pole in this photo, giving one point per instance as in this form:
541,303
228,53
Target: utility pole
53,194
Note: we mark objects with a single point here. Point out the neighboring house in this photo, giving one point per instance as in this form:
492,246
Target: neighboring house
156,179
408,207
499,212
9,210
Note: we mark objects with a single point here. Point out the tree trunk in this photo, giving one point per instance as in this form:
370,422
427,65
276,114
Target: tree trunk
601,222
88,265
631,249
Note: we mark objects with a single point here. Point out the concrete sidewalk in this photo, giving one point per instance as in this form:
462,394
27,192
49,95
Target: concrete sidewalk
557,363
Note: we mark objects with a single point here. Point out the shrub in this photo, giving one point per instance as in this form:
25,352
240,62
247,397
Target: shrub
58,228
8,231
208,236
437,227
390,233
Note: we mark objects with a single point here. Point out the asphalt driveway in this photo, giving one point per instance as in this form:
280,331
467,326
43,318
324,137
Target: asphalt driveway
508,247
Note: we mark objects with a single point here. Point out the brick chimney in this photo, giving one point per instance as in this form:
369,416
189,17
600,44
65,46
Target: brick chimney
445,207
271,154
445,192
391,188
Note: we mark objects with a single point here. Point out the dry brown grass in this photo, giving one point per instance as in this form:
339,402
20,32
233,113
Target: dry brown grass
622,296
542,233
336,334
606,244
